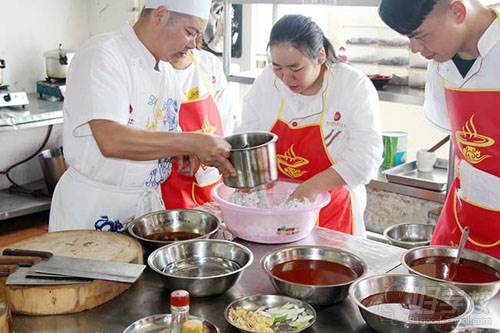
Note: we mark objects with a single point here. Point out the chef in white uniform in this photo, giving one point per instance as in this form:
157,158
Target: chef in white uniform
326,116
121,120
462,96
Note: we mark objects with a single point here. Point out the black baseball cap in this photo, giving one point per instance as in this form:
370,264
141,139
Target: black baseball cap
405,16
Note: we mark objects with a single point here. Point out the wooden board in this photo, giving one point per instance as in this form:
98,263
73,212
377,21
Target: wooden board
46,300
5,318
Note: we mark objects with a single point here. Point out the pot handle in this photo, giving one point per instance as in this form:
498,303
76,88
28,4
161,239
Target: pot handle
63,58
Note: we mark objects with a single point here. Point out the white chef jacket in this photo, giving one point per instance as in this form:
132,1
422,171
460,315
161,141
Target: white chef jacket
112,77
476,186
189,78
357,150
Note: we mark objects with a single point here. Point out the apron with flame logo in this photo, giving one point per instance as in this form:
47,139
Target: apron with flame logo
302,153
475,122
197,114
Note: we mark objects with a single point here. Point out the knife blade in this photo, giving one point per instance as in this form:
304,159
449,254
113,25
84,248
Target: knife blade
86,268
24,277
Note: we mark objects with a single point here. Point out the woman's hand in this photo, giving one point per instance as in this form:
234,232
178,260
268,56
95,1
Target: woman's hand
304,191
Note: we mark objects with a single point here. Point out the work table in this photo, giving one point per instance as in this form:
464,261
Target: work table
148,296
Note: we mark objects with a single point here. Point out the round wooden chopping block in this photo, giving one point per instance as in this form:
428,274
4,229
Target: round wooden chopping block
5,318
60,299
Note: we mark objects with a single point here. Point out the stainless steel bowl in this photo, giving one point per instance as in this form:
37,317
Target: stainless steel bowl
478,330
313,294
253,155
252,303
409,235
385,322
480,292
204,267
160,322
177,220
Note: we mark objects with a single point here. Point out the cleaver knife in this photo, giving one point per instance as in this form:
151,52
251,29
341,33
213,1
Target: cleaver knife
81,268
24,277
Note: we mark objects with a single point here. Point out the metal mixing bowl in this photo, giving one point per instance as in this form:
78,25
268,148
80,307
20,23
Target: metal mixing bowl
313,294
161,322
253,155
252,303
177,220
480,292
204,267
385,323
478,330
409,235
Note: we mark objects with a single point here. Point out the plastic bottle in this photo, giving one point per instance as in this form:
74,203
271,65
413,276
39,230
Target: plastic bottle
179,308
342,54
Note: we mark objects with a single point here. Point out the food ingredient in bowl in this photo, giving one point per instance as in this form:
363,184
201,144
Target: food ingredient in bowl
404,306
192,326
284,318
314,272
445,268
172,236
265,198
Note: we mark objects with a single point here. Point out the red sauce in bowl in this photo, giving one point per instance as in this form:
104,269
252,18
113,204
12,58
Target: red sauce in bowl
404,306
444,268
314,272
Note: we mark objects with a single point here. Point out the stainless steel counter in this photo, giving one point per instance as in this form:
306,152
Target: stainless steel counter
148,296
38,113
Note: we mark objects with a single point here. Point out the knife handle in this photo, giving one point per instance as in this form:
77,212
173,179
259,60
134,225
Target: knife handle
29,253
6,270
18,260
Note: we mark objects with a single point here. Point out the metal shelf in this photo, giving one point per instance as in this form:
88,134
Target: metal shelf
390,93
311,2
37,114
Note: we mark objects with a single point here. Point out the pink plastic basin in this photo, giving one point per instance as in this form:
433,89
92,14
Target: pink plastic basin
269,225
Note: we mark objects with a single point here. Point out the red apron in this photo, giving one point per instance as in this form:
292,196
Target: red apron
199,115
302,153
475,123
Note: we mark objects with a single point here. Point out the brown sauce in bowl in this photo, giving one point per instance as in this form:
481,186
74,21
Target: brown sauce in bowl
445,268
172,236
404,306
314,272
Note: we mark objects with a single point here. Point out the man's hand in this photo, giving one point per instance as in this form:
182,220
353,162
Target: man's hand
213,151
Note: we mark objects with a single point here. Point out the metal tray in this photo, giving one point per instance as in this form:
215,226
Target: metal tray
160,323
407,174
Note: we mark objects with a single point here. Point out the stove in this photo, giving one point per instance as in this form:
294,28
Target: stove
51,89
12,99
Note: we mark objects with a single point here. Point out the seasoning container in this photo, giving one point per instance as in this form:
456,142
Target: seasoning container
192,326
395,147
179,308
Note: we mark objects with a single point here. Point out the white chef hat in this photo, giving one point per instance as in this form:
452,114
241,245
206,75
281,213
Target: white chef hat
199,8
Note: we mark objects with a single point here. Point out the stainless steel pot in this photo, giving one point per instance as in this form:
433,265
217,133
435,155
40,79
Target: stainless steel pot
57,62
53,166
2,66
253,155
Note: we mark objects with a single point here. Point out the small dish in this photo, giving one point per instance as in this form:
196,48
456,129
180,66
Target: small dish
379,81
266,302
160,323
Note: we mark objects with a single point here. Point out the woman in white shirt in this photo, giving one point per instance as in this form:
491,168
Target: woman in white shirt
326,116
